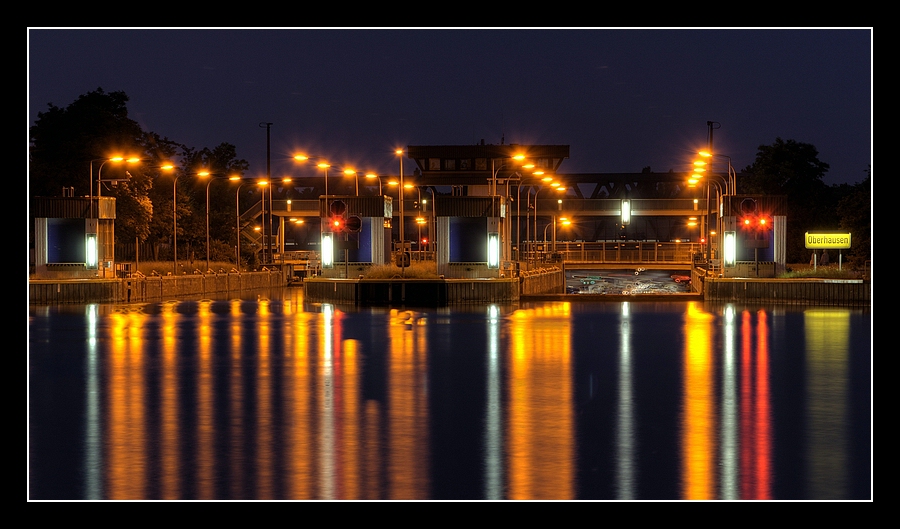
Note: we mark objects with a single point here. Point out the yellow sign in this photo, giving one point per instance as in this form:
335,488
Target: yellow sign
827,240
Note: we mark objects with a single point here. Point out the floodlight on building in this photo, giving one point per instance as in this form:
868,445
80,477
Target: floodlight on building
327,250
729,250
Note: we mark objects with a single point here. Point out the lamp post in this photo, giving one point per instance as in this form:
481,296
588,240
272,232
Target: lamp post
432,225
495,170
324,166
399,153
91,183
724,187
99,173
175,225
104,160
212,177
267,227
353,172
730,188
564,221
553,185
375,176
419,218
237,216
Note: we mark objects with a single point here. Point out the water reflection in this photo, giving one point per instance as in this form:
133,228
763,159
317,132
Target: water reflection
698,434
626,474
539,426
274,398
827,355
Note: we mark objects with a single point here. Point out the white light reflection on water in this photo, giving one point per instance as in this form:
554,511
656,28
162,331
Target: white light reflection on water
728,436
93,425
326,443
493,421
626,479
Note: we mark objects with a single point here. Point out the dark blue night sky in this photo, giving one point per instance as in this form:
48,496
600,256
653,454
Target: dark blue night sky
623,99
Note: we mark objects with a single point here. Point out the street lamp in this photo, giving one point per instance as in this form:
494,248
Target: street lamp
554,221
562,220
175,225
237,216
722,188
324,166
399,153
353,172
99,176
545,180
732,175
91,182
420,220
375,176
321,165
553,185
204,174
495,170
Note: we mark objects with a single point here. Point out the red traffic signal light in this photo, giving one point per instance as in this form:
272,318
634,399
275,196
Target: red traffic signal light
756,222
336,210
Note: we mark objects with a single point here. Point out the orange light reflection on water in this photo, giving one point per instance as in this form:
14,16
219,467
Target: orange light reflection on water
408,413
205,428
126,435
540,427
170,453
698,428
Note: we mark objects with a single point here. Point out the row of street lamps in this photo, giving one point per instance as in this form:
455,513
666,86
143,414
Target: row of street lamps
725,186
267,215
546,183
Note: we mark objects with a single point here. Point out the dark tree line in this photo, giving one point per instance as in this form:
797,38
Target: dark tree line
793,169
69,148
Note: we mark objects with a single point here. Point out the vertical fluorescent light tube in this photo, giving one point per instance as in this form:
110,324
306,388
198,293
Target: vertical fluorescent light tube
91,250
493,250
327,250
730,249
626,211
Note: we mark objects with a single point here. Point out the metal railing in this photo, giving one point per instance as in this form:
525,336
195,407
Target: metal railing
614,252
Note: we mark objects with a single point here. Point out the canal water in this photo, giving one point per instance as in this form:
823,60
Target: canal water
272,397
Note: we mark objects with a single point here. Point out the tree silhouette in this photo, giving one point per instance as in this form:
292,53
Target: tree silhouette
792,169
68,147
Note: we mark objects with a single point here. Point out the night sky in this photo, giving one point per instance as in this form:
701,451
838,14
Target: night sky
622,99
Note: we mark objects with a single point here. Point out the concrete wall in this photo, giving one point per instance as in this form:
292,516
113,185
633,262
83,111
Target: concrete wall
828,292
132,290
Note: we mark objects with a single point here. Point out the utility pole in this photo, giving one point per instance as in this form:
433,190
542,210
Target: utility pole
267,226
712,125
